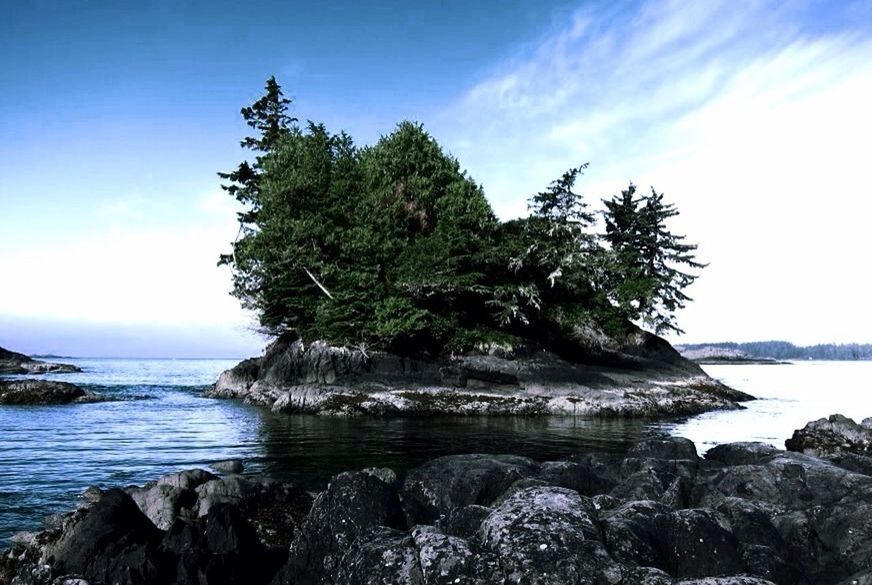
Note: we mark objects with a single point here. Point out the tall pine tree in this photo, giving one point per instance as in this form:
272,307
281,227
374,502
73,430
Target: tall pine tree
646,277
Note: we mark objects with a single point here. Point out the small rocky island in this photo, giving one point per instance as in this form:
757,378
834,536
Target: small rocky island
746,514
637,375
23,392
17,363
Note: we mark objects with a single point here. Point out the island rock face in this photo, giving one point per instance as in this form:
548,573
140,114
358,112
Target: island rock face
746,514
641,375
17,363
23,392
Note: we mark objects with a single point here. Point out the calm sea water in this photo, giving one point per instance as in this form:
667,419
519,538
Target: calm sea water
159,422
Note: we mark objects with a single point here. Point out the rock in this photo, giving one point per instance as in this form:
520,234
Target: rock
352,506
741,453
445,559
233,489
583,476
220,548
545,535
384,557
465,521
24,392
17,363
637,375
745,515
447,483
112,542
233,466
162,503
832,436
665,448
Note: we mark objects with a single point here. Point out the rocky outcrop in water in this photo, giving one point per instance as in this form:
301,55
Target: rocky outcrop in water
641,376
24,392
17,363
837,439
714,355
745,514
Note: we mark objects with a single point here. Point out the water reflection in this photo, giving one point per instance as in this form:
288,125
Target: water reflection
310,449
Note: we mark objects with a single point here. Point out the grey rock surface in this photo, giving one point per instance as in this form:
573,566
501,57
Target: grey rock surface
641,375
658,515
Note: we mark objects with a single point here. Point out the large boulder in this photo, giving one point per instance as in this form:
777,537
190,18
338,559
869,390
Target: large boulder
834,435
342,519
111,542
546,535
442,485
31,392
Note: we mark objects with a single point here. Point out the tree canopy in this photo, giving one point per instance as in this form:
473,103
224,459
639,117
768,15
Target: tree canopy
394,245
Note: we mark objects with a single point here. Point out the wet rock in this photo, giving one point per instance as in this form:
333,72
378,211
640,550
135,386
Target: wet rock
233,466
446,483
832,436
24,392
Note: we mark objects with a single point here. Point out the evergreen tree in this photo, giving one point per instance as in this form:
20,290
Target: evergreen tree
629,284
268,115
645,277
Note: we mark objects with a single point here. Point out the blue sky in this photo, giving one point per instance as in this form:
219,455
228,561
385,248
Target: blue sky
753,118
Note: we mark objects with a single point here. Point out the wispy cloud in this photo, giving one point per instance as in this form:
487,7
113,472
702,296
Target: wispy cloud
753,119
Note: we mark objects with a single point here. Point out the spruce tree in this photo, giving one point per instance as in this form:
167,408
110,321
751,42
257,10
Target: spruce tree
645,275
665,255
268,116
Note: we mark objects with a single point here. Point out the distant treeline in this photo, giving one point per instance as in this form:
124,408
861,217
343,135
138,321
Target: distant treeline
784,350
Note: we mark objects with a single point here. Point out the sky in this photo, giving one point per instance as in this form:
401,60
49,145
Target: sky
752,117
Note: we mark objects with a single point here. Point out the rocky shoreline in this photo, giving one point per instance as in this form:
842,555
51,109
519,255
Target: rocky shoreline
642,376
747,514
18,363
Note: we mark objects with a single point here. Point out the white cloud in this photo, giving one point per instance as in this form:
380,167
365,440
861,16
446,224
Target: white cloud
756,128
129,269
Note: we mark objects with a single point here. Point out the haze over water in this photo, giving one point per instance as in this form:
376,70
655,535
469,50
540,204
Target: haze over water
160,423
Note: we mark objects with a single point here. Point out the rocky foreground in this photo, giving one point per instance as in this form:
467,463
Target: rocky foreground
17,363
638,376
746,514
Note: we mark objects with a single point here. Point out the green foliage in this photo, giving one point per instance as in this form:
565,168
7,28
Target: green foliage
394,245
643,275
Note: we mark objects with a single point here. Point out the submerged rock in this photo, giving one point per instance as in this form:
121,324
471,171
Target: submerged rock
25,392
744,515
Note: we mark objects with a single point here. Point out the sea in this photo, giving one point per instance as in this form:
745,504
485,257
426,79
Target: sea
158,421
